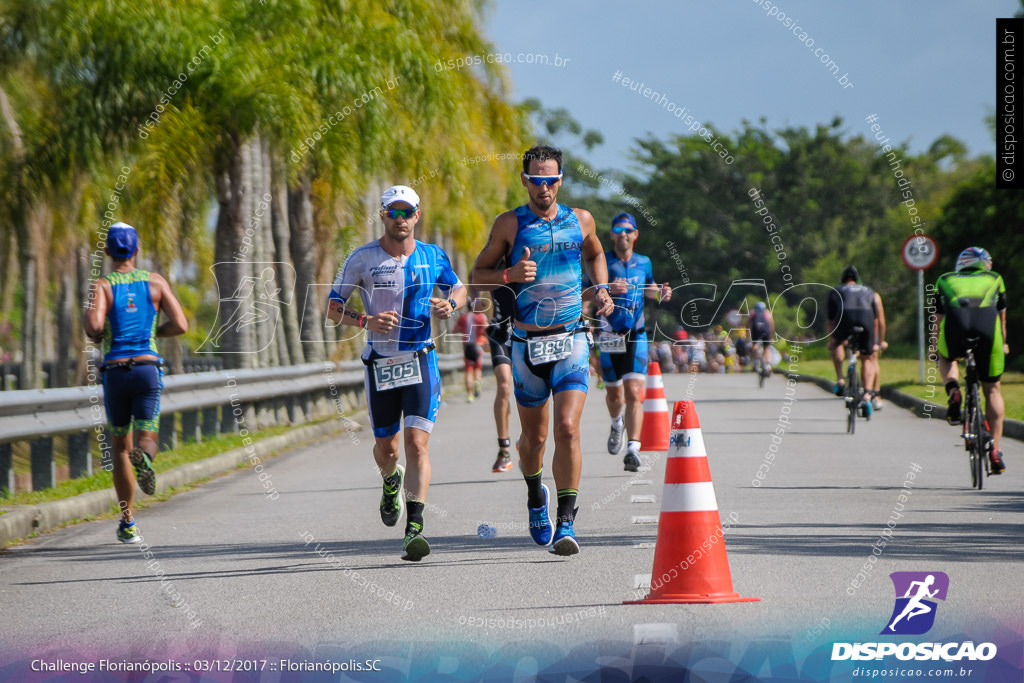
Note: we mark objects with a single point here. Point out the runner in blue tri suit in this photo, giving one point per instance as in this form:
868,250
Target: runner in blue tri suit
546,242
623,339
122,312
396,277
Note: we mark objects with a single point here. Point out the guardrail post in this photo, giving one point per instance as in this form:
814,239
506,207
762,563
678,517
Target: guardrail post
211,423
6,471
323,405
79,457
265,414
229,421
168,436
306,405
44,471
8,380
282,411
190,426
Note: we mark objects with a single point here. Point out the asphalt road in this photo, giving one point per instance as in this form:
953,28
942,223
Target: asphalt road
234,573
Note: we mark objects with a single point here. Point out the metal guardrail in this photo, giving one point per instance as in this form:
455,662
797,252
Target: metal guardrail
10,373
208,403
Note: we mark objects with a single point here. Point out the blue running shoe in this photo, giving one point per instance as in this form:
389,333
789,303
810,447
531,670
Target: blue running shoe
866,408
540,521
565,540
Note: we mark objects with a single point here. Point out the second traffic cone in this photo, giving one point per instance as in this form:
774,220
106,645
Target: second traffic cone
654,433
690,562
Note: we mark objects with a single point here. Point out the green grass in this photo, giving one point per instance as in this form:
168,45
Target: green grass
905,374
165,460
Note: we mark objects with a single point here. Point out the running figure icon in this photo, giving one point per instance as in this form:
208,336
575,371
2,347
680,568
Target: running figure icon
915,607
917,595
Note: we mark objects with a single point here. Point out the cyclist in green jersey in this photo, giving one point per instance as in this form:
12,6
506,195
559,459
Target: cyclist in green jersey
972,303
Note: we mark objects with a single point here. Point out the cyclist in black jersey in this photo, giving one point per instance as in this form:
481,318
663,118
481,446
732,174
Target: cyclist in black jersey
851,305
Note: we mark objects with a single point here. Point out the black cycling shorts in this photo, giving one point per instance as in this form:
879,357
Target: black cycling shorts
866,340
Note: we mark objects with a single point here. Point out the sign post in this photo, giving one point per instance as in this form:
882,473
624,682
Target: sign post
920,253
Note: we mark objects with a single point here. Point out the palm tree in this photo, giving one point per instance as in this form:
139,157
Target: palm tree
230,131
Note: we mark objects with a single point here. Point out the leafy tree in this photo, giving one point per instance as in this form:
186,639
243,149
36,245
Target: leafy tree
979,214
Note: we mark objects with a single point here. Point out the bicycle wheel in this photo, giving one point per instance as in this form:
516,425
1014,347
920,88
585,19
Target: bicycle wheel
852,397
977,423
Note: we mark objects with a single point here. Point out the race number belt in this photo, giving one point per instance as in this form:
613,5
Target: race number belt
128,364
391,372
609,342
549,348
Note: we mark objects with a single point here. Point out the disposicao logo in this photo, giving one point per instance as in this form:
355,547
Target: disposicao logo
914,614
916,593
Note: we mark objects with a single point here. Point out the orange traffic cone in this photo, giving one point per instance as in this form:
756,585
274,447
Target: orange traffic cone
690,562
654,434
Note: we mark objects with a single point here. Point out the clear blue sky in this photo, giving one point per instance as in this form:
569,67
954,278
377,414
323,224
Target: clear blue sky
925,67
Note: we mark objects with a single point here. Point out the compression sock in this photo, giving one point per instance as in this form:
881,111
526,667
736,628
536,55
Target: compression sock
567,504
534,494
391,481
414,515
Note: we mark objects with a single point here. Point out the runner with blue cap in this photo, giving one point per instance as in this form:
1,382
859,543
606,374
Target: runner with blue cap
122,312
622,339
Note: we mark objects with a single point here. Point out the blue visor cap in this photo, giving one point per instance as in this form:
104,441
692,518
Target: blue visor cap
624,218
122,241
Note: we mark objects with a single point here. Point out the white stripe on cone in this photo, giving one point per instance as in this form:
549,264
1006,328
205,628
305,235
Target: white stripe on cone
655,382
693,497
655,405
686,443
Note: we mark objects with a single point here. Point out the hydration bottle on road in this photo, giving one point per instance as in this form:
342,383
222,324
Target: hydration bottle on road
485,530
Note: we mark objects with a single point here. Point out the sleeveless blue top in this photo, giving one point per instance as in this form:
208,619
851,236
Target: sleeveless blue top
130,328
555,297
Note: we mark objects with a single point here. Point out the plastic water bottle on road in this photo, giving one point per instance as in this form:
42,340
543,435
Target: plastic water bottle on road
485,530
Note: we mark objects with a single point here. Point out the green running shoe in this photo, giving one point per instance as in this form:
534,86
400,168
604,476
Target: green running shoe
415,546
391,503
144,473
127,532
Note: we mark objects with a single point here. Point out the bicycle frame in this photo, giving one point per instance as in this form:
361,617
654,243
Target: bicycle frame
759,350
853,395
977,440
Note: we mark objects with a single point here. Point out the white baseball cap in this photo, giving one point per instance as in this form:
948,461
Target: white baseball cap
400,193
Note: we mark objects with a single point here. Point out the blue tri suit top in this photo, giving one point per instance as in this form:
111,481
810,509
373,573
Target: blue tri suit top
130,328
555,297
629,307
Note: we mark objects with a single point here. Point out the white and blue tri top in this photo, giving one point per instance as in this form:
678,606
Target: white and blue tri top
404,284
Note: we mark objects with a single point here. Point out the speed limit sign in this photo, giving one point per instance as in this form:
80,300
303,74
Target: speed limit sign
920,252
